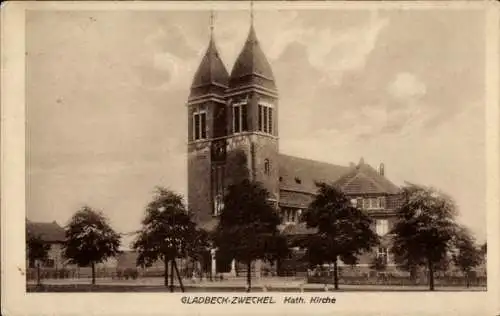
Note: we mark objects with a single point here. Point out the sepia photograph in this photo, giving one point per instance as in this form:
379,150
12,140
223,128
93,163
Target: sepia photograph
240,151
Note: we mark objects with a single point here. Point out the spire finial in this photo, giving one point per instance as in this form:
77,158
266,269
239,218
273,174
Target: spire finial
251,13
211,23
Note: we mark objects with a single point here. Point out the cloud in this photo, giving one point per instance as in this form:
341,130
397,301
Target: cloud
406,86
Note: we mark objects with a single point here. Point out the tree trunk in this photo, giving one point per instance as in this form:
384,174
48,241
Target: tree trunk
467,281
172,275
165,280
38,278
179,277
93,273
431,276
335,274
249,275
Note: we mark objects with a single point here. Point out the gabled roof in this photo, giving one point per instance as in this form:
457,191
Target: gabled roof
251,66
211,70
364,179
299,174
48,232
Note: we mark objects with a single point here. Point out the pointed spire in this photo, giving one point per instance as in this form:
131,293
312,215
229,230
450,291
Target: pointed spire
252,63
211,70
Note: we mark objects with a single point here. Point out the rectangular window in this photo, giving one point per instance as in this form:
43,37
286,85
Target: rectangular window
244,124
366,204
270,125
382,202
261,127
199,125
382,227
265,119
236,119
196,126
203,119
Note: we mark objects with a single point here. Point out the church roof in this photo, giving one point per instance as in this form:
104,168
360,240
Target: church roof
298,177
211,70
299,174
251,66
48,232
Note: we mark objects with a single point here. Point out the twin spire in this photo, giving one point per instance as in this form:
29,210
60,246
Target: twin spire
251,66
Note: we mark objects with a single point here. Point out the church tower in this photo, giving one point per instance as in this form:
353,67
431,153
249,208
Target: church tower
252,118
206,122
233,127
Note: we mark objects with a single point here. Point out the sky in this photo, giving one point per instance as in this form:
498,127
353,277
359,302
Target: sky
106,100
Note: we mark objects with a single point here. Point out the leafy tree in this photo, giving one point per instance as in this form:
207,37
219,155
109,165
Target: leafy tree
424,228
167,232
90,239
466,254
484,250
247,229
37,251
343,231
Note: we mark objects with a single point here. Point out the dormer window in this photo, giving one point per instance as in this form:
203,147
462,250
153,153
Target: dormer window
297,180
199,124
240,117
266,118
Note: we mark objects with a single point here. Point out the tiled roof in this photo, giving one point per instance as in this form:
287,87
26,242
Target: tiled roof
364,179
250,62
49,232
298,179
299,174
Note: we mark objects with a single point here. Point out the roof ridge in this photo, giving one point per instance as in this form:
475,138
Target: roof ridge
313,160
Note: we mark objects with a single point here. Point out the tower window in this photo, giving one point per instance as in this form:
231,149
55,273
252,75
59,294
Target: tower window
240,117
267,167
199,125
266,118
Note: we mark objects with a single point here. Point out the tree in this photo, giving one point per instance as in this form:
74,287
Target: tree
484,250
424,228
167,233
90,239
37,251
343,231
247,229
466,254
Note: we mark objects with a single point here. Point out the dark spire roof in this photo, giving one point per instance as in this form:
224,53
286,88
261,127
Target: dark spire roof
251,66
211,70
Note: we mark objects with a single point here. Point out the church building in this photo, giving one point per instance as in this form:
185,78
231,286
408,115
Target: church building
234,135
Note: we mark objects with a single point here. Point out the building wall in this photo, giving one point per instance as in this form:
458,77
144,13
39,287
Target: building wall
199,194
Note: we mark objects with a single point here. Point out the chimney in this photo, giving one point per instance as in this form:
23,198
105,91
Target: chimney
381,170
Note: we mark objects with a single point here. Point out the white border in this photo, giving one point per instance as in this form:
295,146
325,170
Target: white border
16,302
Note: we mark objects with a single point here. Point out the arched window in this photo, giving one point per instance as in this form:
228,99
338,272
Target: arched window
267,167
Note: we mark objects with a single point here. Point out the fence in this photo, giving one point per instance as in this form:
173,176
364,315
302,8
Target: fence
478,281
100,273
